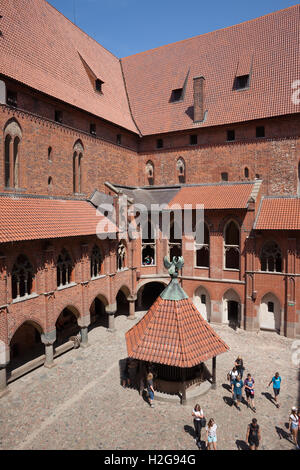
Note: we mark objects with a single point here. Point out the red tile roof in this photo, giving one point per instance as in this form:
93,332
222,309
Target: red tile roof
216,196
173,333
28,218
278,214
271,42
41,48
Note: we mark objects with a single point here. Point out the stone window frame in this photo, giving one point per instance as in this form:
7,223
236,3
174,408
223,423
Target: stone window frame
227,247
270,255
64,269
12,143
22,272
96,262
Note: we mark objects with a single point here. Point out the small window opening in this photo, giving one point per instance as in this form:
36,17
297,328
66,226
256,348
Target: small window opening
177,94
159,143
231,135
119,139
260,131
271,307
58,116
93,129
98,85
246,172
11,98
242,82
193,139
224,176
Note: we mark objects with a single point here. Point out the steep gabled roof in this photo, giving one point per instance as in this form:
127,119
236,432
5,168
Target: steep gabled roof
44,50
266,47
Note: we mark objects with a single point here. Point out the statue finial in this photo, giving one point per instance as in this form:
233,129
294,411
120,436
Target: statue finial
174,266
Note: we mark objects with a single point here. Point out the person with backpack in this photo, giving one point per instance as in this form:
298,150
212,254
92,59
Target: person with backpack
294,425
199,422
237,391
253,435
276,380
249,391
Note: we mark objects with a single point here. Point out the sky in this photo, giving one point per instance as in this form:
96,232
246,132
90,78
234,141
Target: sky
126,27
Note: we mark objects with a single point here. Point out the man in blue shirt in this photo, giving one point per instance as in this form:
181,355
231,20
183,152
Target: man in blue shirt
276,387
237,390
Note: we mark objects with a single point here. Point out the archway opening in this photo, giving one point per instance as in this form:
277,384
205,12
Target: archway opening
25,345
270,313
66,326
233,314
201,300
148,294
122,304
99,317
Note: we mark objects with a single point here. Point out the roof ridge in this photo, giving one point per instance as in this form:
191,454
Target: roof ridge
214,31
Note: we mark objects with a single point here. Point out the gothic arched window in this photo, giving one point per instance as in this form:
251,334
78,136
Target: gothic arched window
232,245
121,256
202,250
150,172
64,269
77,167
180,166
271,258
96,262
22,277
12,140
148,245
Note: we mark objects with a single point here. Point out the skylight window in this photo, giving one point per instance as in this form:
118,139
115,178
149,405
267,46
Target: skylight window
242,82
177,94
98,85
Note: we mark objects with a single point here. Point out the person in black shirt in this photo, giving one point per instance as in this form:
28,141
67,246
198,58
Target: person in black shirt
239,366
253,435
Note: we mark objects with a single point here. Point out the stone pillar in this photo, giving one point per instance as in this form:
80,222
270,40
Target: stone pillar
84,322
131,301
111,310
214,373
4,361
48,340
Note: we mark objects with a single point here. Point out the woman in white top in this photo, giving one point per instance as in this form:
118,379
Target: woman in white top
198,415
294,425
211,435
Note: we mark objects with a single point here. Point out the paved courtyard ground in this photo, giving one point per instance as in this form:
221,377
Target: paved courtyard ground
80,403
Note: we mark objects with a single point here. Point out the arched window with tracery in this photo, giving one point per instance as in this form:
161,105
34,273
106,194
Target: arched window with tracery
271,258
77,167
232,245
202,250
64,269
121,256
148,245
22,277
12,140
96,262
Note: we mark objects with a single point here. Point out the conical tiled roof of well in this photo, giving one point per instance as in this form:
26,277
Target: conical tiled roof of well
174,333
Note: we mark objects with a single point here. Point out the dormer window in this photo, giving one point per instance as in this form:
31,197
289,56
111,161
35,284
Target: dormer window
177,94
242,82
98,85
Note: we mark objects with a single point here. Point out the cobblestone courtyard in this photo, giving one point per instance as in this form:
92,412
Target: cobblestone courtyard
79,404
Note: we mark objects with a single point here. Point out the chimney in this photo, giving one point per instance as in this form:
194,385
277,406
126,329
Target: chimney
199,99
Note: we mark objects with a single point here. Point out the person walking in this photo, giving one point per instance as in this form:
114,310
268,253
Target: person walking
237,391
150,389
253,435
211,435
239,364
198,415
249,391
276,380
232,375
294,425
